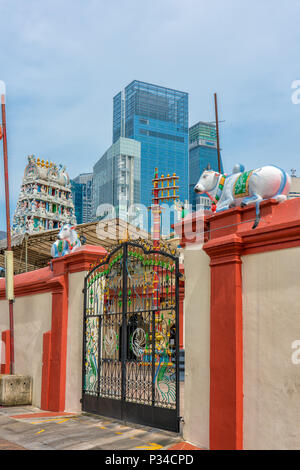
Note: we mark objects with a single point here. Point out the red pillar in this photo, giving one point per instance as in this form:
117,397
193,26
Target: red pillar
226,344
5,368
46,370
228,236
181,309
55,341
58,355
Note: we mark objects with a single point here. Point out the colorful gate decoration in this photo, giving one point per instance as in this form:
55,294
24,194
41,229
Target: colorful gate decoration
131,337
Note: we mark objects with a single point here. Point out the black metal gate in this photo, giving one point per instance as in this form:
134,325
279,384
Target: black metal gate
131,337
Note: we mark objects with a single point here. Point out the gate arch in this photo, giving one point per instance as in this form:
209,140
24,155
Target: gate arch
131,336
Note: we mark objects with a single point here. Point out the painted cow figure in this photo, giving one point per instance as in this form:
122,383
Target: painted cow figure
67,242
244,187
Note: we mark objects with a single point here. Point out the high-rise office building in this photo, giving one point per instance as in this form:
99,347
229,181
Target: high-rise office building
295,185
157,117
203,153
76,189
116,177
82,196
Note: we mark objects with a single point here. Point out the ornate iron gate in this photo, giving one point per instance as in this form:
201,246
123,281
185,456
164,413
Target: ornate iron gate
131,337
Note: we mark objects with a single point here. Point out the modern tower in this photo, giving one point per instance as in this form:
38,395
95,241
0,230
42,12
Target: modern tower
76,189
203,154
82,197
157,117
116,178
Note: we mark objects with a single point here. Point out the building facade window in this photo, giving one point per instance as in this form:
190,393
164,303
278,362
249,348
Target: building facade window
202,154
117,178
82,197
157,117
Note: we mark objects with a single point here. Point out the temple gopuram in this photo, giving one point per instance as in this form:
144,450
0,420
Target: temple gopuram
45,200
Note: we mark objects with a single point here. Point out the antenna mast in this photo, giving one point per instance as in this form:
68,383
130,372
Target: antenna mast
217,130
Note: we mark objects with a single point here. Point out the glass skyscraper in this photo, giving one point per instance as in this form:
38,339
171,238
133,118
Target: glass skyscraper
76,189
82,197
202,154
157,117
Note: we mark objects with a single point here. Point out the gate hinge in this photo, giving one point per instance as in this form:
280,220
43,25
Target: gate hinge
180,419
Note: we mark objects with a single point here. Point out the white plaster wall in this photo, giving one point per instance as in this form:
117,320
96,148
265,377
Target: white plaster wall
197,346
4,316
32,318
75,341
271,322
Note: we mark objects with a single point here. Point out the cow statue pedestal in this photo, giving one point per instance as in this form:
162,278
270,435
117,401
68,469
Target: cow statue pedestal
242,188
67,242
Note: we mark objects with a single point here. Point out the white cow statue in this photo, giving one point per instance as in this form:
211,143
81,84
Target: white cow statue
244,187
67,242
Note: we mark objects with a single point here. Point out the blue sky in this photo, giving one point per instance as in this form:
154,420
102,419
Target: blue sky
63,61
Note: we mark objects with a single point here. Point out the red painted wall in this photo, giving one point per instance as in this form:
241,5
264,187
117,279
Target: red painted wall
228,236
5,367
53,280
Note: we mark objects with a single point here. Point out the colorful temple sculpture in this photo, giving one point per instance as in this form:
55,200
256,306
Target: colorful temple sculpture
45,200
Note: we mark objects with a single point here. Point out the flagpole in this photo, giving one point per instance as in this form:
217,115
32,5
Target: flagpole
8,232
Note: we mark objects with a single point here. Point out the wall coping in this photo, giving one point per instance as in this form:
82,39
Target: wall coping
186,228
279,227
49,278
80,260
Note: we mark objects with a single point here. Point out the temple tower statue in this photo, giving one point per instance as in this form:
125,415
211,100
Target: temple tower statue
45,200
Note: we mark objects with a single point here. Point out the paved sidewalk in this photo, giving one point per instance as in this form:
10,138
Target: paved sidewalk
28,427
6,445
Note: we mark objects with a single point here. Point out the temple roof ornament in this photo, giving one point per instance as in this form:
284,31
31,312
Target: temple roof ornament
45,200
46,170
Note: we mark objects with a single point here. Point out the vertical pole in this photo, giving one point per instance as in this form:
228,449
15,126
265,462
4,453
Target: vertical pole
84,343
124,355
217,130
156,245
177,326
99,323
8,234
156,233
156,212
153,313
26,252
